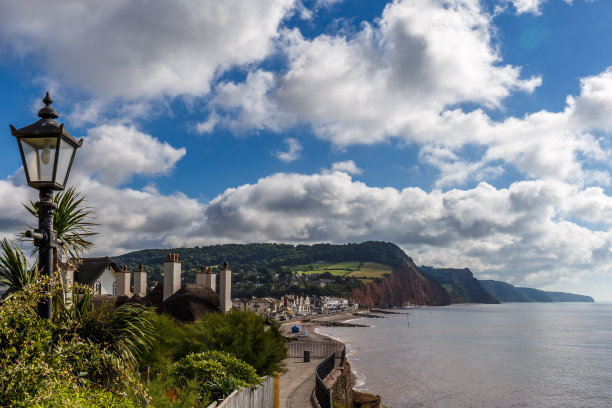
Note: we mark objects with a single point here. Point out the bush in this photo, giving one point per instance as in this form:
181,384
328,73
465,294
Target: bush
241,334
83,398
217,373
41,361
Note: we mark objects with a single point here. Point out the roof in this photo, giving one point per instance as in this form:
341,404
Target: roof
90,269
188,304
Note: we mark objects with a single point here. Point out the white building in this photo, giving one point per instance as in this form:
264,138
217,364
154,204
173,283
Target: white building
99,273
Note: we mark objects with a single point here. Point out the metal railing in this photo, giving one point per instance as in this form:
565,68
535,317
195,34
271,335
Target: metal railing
322,392
317,349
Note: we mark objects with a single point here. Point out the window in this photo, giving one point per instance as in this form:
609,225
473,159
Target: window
98,288
114,288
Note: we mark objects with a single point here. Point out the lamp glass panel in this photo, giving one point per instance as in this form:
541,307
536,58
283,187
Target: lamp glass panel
64,158
39,156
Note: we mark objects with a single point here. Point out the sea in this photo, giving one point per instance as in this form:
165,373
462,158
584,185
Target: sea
508,355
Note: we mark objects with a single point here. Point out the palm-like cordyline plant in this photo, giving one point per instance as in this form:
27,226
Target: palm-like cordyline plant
71,222
14,269
127,330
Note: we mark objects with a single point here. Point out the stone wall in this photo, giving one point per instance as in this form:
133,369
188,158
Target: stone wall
341,383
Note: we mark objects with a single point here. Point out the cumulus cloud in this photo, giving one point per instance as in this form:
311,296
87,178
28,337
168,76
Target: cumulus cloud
390,78
528,233
131,49
527,6
13,216
115,153
293,150
347,166
131,219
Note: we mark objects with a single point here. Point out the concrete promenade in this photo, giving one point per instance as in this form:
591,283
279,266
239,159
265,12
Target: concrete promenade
297,384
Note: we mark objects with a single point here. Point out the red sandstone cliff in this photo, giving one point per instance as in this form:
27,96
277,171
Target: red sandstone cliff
406,286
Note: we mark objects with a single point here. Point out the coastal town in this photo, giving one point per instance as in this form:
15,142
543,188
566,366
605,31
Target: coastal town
306,204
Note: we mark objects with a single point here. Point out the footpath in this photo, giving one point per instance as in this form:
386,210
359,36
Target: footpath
297,384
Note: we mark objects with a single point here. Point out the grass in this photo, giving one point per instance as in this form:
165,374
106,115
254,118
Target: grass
365,271
372,270
338,269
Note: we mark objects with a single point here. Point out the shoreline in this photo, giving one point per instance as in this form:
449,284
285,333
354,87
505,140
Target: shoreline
311,326
314,327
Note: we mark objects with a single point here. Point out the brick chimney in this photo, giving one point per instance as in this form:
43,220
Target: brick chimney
123,282
206,277
140,281
172,275
225,288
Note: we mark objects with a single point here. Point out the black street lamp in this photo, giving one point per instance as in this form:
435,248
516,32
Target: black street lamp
47,151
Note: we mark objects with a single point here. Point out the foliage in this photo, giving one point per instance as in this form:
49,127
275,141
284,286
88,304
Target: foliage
242,334
264,258
218,373
127,330
163,395
83,398
14,269
41,360
71,221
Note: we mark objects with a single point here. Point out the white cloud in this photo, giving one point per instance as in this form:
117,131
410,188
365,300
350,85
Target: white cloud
527,6
130,49
130,219
347,166
527,233
293,150
115,153
13,216
389,79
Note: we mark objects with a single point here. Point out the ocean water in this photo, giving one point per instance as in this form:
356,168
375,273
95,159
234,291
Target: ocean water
508,355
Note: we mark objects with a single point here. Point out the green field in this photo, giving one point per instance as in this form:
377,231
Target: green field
365,271
372,270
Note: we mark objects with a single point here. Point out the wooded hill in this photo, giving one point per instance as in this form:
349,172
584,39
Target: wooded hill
276,269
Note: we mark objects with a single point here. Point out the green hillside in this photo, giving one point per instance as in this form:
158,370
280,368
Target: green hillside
275,269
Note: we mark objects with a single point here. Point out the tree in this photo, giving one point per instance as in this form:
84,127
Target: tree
243,334
14,269
71,222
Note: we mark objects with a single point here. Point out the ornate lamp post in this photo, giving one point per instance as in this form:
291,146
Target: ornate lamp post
47,151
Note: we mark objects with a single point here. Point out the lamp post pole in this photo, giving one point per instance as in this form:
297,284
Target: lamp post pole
45,238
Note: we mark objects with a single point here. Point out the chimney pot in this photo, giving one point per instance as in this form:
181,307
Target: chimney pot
140,268
203,269
169,257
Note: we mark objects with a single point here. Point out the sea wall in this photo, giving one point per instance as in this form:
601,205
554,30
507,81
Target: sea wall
341,382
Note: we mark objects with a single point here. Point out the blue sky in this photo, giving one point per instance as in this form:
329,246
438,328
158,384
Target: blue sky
470,133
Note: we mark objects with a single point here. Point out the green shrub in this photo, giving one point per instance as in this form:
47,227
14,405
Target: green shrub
83,398
38,357
242,334
218,373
